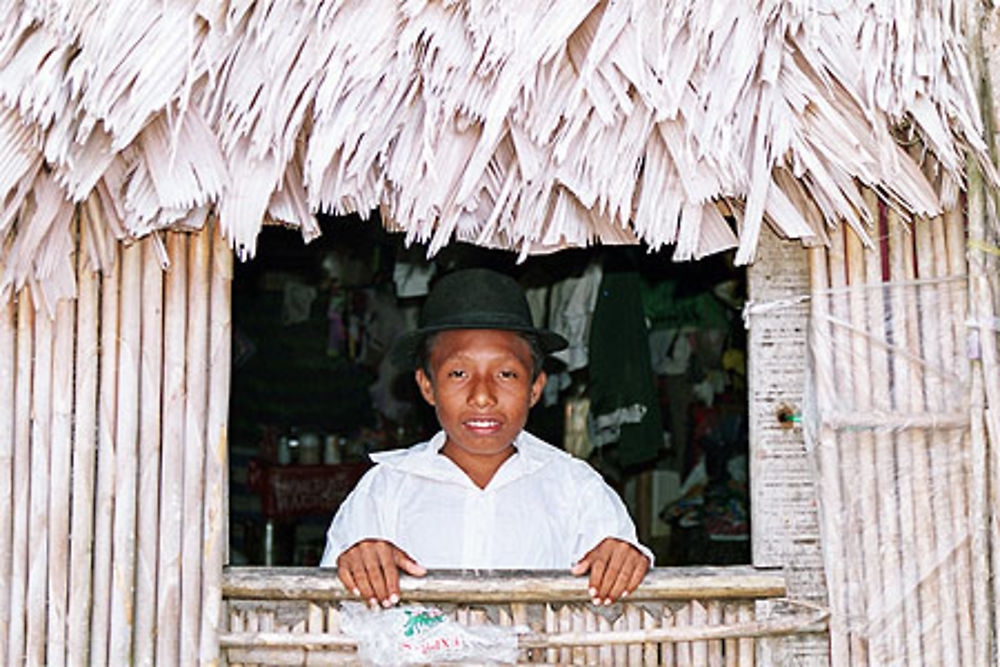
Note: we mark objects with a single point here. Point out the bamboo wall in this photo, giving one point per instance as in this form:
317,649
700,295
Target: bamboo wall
113,460
899,441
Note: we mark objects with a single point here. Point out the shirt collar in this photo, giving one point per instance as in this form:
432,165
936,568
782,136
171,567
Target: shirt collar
423,459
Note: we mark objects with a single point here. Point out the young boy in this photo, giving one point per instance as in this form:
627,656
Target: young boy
482,493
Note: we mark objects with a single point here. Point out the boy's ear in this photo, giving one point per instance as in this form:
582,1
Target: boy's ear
537,386
426,386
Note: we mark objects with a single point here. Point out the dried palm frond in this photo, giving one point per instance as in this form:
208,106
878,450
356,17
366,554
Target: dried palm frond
527,126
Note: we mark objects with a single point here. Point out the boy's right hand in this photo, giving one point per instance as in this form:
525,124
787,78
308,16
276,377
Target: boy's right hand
370,569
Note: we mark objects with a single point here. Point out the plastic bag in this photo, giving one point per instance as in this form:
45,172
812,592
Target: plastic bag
412,634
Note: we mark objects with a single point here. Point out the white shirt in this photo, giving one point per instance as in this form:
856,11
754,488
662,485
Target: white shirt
543,509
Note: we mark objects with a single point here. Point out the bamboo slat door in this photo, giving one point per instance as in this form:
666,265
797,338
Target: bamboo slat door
890,432
113,412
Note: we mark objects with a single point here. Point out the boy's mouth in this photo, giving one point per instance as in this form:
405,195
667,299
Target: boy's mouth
482,425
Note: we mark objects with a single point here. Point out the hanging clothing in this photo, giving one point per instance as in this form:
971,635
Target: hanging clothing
622,388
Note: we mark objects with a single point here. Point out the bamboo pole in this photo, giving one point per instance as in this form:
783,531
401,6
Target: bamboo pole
682,650
195,414
105,484
952,452
126,465
8,364
937,452
895,612
667,656
862,473
914,474
216,512
168,594
730,614
715,647
41,440
502,587
59,481
633,623
828,459
84,457
900,372
150,370
21,471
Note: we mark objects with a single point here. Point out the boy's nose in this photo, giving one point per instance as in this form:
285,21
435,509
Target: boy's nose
482,393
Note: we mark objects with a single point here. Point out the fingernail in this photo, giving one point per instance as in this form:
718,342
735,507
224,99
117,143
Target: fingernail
597,601
372,602
356,592
393,599
607,601
625,594
386,604
592,591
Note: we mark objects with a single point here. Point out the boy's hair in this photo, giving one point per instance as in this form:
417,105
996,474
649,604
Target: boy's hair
423,352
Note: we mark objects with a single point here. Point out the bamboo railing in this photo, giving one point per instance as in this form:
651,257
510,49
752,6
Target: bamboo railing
678,616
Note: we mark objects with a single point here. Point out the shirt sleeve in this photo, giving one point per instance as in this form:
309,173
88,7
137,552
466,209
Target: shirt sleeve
603,515
362,516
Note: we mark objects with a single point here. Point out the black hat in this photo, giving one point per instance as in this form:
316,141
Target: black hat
472,299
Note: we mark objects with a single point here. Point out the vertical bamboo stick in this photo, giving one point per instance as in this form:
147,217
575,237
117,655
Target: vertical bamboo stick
168,596
565,624
551,626
895,613
84,458
590,626
21,470
905,441
828,458
579,625
59,481
937,452
8,357
682,650
847,444
105,485
216,514
715,646
746,615
865,509
620,651
699,618
730,616
151,364
952,443
912,452
194,445
667,648
650,654
41,440
126,453
633,621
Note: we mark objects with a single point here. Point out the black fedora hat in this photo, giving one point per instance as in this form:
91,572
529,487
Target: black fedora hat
472,299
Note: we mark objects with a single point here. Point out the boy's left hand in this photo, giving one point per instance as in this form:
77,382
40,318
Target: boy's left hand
616,569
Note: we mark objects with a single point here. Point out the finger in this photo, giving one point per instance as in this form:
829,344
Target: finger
356,568
581,566
638,574
611,572
373,568
407,564
621,581
597,567
346,578
387,562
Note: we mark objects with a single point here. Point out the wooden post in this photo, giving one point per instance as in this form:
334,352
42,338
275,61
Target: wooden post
105,486
860,475
8,352
828,459
168,596
195,413
126,453
84,457
216,514
38,544
894,612
21,475
60,457
147,500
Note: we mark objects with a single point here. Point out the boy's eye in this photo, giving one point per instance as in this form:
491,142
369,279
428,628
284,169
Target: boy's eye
508,375
456,373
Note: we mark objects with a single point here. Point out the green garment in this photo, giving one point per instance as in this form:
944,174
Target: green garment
621,375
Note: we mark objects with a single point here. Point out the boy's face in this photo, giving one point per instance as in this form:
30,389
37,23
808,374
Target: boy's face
481,387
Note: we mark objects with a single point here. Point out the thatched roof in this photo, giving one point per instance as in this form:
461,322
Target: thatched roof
530,126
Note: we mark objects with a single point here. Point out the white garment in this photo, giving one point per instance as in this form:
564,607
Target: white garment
543,509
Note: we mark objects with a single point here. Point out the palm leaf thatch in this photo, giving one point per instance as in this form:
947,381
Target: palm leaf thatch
528,126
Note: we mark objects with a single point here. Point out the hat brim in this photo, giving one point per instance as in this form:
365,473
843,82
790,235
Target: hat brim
406,348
